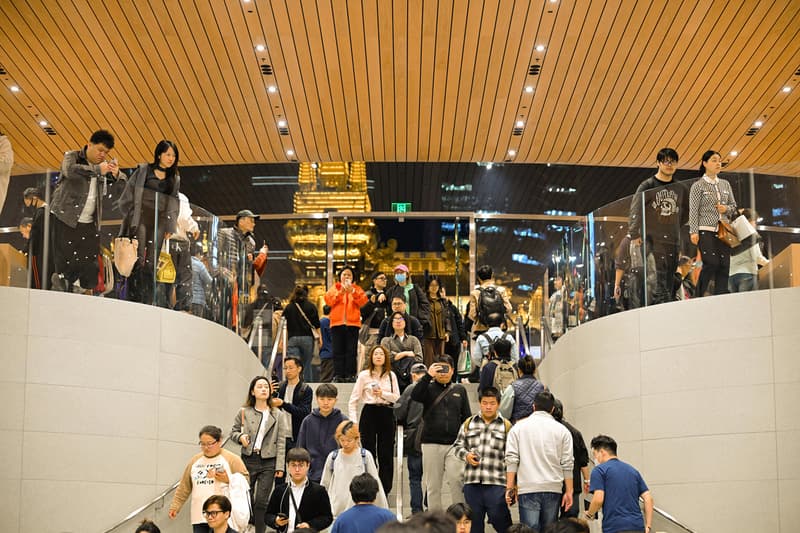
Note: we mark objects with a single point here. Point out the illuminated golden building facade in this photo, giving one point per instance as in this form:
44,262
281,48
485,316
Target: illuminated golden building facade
324,187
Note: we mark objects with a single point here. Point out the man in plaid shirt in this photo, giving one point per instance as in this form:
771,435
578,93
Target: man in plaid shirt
481,444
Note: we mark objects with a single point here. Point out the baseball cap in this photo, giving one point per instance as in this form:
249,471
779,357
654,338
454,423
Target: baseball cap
418,368
246,213
402,267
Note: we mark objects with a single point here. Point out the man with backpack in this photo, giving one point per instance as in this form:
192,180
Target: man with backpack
498,371
486,340
481,444
487,299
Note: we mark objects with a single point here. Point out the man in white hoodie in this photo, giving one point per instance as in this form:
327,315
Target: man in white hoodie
538,460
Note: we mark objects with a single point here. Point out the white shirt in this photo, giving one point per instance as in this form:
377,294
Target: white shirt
86,215
262,430
288,393
297,493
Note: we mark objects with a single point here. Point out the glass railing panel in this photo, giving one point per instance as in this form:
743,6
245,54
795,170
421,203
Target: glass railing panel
781,246
520,250
777,198
606,244
15,261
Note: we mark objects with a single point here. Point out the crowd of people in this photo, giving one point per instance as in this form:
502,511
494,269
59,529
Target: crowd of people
310,470
405,346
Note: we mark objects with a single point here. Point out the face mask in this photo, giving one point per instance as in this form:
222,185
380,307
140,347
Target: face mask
400,278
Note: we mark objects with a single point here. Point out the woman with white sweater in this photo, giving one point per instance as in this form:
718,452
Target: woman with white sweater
376,389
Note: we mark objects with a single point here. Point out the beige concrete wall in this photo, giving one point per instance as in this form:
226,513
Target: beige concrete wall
102,401
710,414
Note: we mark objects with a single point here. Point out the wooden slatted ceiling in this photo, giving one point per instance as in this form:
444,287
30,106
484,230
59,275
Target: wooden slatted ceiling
411,80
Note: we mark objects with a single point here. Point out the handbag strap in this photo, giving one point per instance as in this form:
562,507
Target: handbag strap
304,316
368,322
421,425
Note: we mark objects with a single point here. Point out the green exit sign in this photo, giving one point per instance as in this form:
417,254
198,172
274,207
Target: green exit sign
401,207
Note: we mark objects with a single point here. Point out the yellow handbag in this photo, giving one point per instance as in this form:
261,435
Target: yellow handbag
165,273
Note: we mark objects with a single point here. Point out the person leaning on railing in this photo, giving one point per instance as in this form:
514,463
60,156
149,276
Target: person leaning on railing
150,205
76,207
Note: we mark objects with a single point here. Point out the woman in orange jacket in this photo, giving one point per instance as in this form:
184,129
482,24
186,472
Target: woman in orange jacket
345,299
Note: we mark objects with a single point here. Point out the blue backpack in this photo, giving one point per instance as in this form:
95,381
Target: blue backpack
363,458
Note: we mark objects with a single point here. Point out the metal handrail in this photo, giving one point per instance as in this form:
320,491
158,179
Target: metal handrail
154,501
398,474
662,513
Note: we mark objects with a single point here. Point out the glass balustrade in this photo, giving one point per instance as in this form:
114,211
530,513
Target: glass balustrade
597,259
190,260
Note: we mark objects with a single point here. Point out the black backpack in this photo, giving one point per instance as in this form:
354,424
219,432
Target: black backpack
490,301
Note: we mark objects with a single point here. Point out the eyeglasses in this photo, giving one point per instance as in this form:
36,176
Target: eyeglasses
212,514
398,318
297,465
668,163
207,444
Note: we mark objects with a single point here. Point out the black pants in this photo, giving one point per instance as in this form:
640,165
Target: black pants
75,252
262,477
377,426
345,347
666,253
716,257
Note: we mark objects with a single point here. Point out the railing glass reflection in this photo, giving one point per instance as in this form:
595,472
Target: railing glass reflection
641,251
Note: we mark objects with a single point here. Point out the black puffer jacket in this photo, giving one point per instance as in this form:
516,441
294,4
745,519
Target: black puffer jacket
441,424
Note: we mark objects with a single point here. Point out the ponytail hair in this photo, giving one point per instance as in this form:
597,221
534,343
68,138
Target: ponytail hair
706,156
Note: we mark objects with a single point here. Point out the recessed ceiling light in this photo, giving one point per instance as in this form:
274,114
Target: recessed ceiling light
43,123
290,153
520,124
260,48
314,165
14,89
787,89
758,124
540,48
529,89
734,153
272,89
281,123
512,153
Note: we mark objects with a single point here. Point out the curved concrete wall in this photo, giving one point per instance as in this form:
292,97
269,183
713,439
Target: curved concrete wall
709,414
102,401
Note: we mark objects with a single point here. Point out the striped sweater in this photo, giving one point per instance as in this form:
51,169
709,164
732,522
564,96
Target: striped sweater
703,198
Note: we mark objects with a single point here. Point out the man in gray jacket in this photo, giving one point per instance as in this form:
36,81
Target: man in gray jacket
77,212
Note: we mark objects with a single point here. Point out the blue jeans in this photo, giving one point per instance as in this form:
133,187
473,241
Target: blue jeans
742,282
488,500
415,481
302,347
538,509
